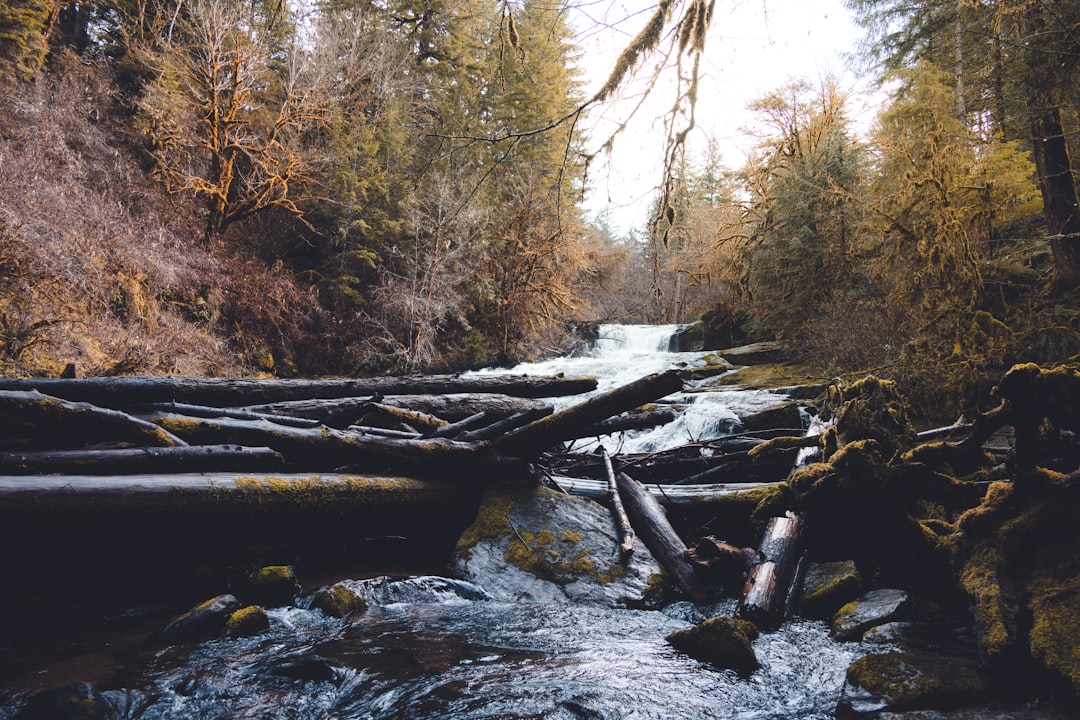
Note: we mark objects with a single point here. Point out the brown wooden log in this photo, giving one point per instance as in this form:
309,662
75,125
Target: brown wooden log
618,512
565,424
326,448
650,522
391,417
432,410
51,421
124,392
767,595
122,461
457,428
213,412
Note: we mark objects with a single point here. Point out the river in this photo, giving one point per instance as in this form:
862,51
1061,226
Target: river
429,647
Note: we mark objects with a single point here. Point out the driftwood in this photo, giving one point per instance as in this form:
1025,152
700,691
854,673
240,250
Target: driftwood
629,421
230,392
433,410
618,512
670,495
650,522
565,424
121,461
212,412
767,595
29,413
457,428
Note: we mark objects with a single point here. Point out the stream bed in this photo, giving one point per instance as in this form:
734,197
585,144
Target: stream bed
430,647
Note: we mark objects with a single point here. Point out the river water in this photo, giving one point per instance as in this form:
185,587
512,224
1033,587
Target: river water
433,648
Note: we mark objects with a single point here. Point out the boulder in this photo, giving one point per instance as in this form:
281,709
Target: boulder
827,587
781,415
872,609
247,621
688,338
533,544
761,353
338,600
725,642
76,701
205,620
940,637
272,586
881,682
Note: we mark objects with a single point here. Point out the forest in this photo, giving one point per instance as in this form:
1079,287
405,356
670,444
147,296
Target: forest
358,187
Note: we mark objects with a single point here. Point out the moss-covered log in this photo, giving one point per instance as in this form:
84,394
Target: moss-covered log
424,412
122,461
223,392
49,422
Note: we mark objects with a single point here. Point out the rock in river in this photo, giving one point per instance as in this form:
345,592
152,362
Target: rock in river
872,609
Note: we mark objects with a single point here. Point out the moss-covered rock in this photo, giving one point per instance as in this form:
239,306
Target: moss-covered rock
725,642
910,681
247,621
827,587
781,415
531,543
272,586
76,701
204,620
874,608
338,601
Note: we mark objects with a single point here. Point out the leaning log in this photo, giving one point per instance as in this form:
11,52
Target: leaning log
49,421
501,427
767,595
126,461
618,511
326,448
650,522
127,391
567,423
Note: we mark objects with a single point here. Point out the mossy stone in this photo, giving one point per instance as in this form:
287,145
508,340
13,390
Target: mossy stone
338,601
827,587
204,620
273,586
911,681
247,621
725,642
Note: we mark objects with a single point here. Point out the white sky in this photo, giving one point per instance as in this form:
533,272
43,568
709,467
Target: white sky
753,47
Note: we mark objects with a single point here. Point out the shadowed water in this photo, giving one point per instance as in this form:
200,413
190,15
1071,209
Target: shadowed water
452,657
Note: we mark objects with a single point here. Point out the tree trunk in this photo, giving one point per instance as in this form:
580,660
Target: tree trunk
228,392
650,522
569,422
767,595
124,461
1060,208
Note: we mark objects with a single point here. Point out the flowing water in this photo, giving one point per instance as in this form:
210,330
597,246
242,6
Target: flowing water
430,647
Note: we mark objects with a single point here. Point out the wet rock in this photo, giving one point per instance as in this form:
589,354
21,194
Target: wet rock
761,353
941,637
306,668
781,415
202,621
247,621
898,681
827,587
688,338
725,642
874,608
423,589
532,544
77,701
272,586
338,600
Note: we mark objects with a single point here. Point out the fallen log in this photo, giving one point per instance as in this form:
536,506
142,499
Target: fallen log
622,522
435,409
456,428
650,522
669,495
750,468
768,592
49,421
567,423
213,412
326,448
501,427
230,392
124,461
629,421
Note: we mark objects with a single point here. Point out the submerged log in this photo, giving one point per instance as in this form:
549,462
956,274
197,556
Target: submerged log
650,522
49,420
121,461
228,392
567,423
768,592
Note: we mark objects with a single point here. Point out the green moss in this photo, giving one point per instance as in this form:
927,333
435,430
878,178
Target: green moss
273,574
247,621
722,641
338,601
913,680
767,377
